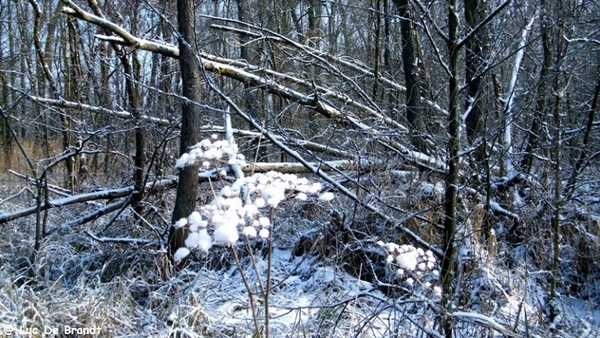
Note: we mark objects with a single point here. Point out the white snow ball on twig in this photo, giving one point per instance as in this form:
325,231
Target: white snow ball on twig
301,197
263,233
326,197
260,202
251,210
407,260
264,221
192,240
180,254
217,219
181,223
197,153
301,181
314,188
226,191
249,231
182,161
204,240
195,219
262,179
226,234
204,144
211,154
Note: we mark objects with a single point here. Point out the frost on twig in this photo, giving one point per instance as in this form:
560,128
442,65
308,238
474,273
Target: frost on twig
221,221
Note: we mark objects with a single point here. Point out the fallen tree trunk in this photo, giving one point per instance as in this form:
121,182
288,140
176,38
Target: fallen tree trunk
104,194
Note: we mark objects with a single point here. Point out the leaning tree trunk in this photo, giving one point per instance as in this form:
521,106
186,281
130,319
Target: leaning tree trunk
187,189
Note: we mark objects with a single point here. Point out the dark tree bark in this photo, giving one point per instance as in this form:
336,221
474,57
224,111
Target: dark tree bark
414,114
449,261
543,94
187,189
132,68
475,63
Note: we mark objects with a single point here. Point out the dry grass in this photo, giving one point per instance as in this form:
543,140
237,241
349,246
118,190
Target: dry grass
75,281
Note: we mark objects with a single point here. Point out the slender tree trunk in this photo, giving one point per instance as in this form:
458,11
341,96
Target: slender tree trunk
378,48
450,260
414,114
314,24
542,104
187,189
475,63
132,70
556,231
585,146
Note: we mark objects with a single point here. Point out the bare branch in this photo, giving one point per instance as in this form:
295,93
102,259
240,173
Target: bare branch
483,22
96,109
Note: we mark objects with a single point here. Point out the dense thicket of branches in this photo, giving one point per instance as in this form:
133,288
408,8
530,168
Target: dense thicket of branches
497,99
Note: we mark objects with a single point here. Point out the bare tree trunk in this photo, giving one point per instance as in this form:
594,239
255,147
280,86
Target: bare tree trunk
132,70
450,259
542,104
187,189
414,114
314,24
378,48
557,205
584,152
475,64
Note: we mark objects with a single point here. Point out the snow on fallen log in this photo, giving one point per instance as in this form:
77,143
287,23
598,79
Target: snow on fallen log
485,321
104,194
122,240
495,207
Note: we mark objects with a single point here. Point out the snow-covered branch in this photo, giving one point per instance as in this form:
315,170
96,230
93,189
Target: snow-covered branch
117,240
128,39
104,194
96,109
484,321
322,106
319,55
308,145
318,170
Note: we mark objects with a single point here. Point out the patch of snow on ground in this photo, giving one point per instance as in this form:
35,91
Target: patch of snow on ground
306,297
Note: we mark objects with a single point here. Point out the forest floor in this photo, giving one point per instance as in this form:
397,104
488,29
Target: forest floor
125,290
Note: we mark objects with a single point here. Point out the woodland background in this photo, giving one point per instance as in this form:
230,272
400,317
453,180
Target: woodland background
463,127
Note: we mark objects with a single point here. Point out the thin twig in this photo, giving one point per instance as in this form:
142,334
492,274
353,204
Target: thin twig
250,293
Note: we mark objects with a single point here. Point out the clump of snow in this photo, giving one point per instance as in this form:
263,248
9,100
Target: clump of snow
180,254
207,150
411,264
226,215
